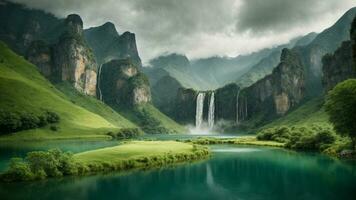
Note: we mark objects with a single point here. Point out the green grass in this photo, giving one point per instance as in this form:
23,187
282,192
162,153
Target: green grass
128,156
23,88
133,150
94,105
246,140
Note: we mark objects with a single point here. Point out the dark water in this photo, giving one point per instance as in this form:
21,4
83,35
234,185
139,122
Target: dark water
232,173
19,149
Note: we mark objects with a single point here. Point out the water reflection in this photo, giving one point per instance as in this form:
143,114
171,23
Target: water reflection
233,173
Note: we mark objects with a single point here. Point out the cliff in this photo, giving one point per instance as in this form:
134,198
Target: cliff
164,94
185,105
277,93
340,65
121,83
107,44
69,59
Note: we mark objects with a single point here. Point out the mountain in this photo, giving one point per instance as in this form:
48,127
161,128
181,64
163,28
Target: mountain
107,44
20,26
265,65
325,43
25,92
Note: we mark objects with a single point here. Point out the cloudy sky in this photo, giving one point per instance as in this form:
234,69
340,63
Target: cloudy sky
203,28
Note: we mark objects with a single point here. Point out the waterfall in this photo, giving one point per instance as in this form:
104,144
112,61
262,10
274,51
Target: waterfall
211,111
246,107
100,94
237,106
199,110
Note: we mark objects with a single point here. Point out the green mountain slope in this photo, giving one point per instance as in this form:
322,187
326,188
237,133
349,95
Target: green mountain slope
24,89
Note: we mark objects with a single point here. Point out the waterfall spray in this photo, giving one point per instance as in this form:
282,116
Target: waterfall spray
211,111
100,94
237,106
199,110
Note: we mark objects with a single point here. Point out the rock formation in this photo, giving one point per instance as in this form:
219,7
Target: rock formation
107,44
122,84
340,65
185,105
164,94
276,93
69,59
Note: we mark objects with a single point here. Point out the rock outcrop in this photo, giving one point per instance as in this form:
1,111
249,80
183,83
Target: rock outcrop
107,44
164,94
69,59
185,105
278,92
353,41
121,84
340,65
225,102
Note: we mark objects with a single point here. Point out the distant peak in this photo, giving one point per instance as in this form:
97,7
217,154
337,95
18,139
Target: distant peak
74,19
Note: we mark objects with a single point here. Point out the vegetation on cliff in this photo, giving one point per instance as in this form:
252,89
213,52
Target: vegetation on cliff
341,107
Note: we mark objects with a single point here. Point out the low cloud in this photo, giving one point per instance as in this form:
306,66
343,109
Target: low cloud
202,28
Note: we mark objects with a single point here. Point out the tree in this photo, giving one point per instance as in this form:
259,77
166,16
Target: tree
341,107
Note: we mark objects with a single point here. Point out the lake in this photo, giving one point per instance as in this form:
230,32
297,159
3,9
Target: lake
234,172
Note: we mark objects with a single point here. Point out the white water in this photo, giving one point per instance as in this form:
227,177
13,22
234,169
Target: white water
100,94
237,107
211,112
199,110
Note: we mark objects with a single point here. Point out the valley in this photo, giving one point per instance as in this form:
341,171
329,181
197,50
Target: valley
86,114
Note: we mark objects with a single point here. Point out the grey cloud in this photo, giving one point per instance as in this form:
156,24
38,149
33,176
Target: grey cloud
275,15
201,28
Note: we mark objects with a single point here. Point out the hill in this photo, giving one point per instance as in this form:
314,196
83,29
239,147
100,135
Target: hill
24,89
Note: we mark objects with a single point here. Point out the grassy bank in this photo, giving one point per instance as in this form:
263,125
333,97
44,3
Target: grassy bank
128,156
247,140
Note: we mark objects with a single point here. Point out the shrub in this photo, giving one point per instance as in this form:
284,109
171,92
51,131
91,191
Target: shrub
54,128
14,121
126,133
315,138
42,164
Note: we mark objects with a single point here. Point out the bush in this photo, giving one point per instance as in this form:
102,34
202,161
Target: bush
42,164
54,128
316,138
126,133
13,121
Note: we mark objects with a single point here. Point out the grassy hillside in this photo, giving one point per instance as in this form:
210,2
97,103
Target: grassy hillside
94,105
312,112
24,89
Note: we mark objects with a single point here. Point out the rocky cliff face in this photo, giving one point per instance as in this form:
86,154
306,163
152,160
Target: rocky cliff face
225,102
340,65
20,26
120,83
164,94
276,93
326,42
185,105
69,59
353,41
107,44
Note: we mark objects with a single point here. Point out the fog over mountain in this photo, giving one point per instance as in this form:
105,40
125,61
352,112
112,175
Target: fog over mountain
204,28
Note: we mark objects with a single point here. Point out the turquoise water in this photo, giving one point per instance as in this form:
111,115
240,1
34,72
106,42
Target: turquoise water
232,173
19,149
